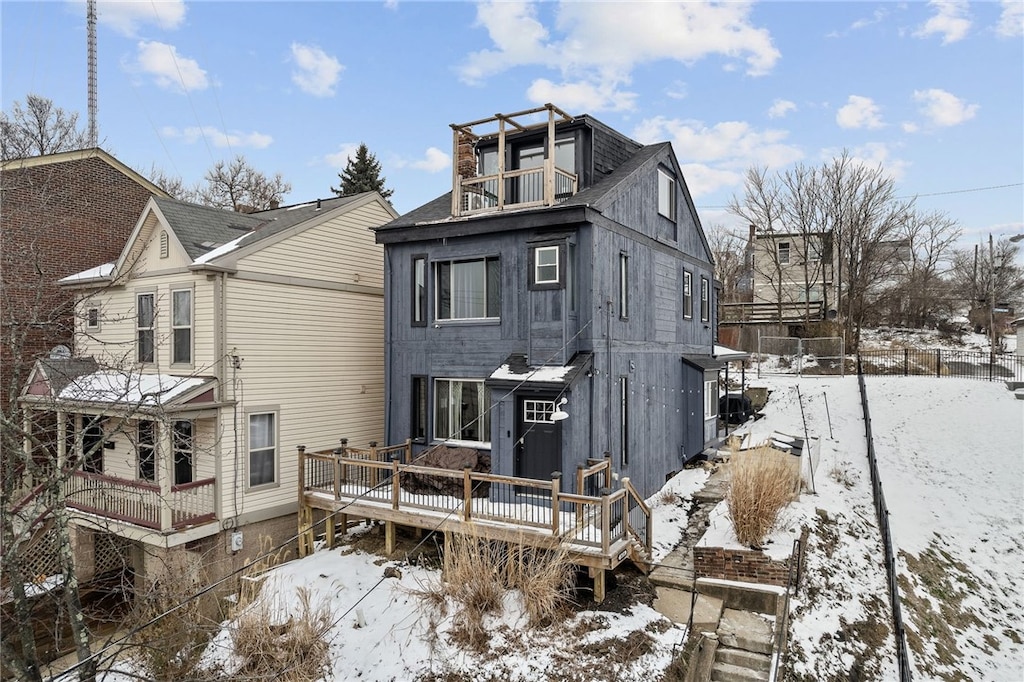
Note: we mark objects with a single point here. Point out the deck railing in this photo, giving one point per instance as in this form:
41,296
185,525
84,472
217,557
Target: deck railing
599,523
141,503
521,188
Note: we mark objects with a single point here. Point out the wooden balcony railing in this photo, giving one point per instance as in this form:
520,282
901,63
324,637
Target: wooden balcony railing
141,503
513,189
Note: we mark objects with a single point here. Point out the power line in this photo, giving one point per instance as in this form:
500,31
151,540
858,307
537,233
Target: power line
929,194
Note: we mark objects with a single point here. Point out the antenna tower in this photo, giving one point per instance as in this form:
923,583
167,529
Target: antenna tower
91,30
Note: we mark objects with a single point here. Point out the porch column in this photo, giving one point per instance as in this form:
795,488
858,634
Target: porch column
26,431
165,471
62,440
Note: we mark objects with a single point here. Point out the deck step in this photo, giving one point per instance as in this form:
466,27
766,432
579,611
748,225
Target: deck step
746,630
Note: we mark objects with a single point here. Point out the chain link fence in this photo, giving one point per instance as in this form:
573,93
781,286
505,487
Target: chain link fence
800,357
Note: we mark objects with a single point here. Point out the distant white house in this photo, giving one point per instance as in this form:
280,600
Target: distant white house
216,344
1018,326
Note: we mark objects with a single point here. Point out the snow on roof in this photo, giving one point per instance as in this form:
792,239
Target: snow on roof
220,250
532,373
129,388
97,272
726,353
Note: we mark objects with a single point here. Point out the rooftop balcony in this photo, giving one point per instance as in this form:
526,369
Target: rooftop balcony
541,183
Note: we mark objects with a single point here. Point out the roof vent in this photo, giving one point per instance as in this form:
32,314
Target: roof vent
318,204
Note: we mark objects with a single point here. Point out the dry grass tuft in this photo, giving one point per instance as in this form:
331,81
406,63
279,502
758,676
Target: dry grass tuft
762,482
290,651
477,573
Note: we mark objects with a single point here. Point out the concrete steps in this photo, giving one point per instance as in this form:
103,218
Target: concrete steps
724,672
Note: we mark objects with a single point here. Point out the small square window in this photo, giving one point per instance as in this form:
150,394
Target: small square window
546,266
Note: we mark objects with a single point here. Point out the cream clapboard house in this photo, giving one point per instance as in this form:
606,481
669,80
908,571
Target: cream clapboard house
215,345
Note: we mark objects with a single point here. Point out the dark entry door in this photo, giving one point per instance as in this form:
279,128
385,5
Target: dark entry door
538,438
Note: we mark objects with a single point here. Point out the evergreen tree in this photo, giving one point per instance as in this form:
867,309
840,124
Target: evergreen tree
362,174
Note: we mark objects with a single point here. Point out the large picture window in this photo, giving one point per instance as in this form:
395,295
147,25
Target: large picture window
262,449
144,327
462,410
181,327
469,289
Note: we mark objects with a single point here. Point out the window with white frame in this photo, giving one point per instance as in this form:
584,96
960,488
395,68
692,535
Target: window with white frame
183,442
538,411
687,294
710,398
705,299
145,327
262,449
92,319
181,327
623,286
468,289
546,268
462,410
783,249
145,449
666,194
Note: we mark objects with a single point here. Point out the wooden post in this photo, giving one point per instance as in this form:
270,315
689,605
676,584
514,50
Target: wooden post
501,164
467,494
606,513
396,486
580,490
600,586
549,162
408,450
374,473
556,480
390,544
456,178
302,473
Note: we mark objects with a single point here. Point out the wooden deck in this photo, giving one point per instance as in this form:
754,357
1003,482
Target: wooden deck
597,531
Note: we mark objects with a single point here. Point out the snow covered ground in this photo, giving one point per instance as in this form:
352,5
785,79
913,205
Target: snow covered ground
951,454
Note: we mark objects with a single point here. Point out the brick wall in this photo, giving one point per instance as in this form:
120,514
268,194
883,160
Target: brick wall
57,219
738,564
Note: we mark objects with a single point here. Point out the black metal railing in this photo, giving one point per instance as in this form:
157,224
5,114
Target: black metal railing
882,513
964,364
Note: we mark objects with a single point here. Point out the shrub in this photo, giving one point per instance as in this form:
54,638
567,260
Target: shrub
762,482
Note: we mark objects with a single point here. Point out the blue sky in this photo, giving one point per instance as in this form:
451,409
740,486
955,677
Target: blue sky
934,91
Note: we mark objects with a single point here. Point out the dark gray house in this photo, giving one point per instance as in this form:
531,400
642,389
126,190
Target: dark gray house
556,306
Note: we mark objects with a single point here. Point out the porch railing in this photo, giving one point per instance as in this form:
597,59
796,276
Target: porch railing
599,523
141,503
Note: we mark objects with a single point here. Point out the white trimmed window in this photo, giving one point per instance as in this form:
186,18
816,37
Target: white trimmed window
710,399
462,410
146,450
183,440
262,449
181,327
545,265
705,299
687,294
538,411
783,249
92,319
145,327
666,194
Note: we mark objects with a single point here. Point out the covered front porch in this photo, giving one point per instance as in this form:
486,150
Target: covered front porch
384,484
135,450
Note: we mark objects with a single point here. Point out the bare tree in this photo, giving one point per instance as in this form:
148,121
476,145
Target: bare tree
39,128
174,185
238,186
729,251
986,278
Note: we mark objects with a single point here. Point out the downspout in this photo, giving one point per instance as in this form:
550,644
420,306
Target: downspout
388,288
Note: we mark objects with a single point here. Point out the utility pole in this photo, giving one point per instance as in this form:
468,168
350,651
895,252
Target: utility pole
991,295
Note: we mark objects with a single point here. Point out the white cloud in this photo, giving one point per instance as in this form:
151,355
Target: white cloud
339,159
603,42
876,17
1011,21
582,95
781,107
677,90
316,72
219,138
859,112
434,161
951,21
127,17
909,127
717,156
169,69
944,109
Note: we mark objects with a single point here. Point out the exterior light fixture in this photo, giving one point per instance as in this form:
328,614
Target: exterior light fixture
559,414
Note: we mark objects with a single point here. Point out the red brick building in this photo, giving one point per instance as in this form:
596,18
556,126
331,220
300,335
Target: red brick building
59,214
